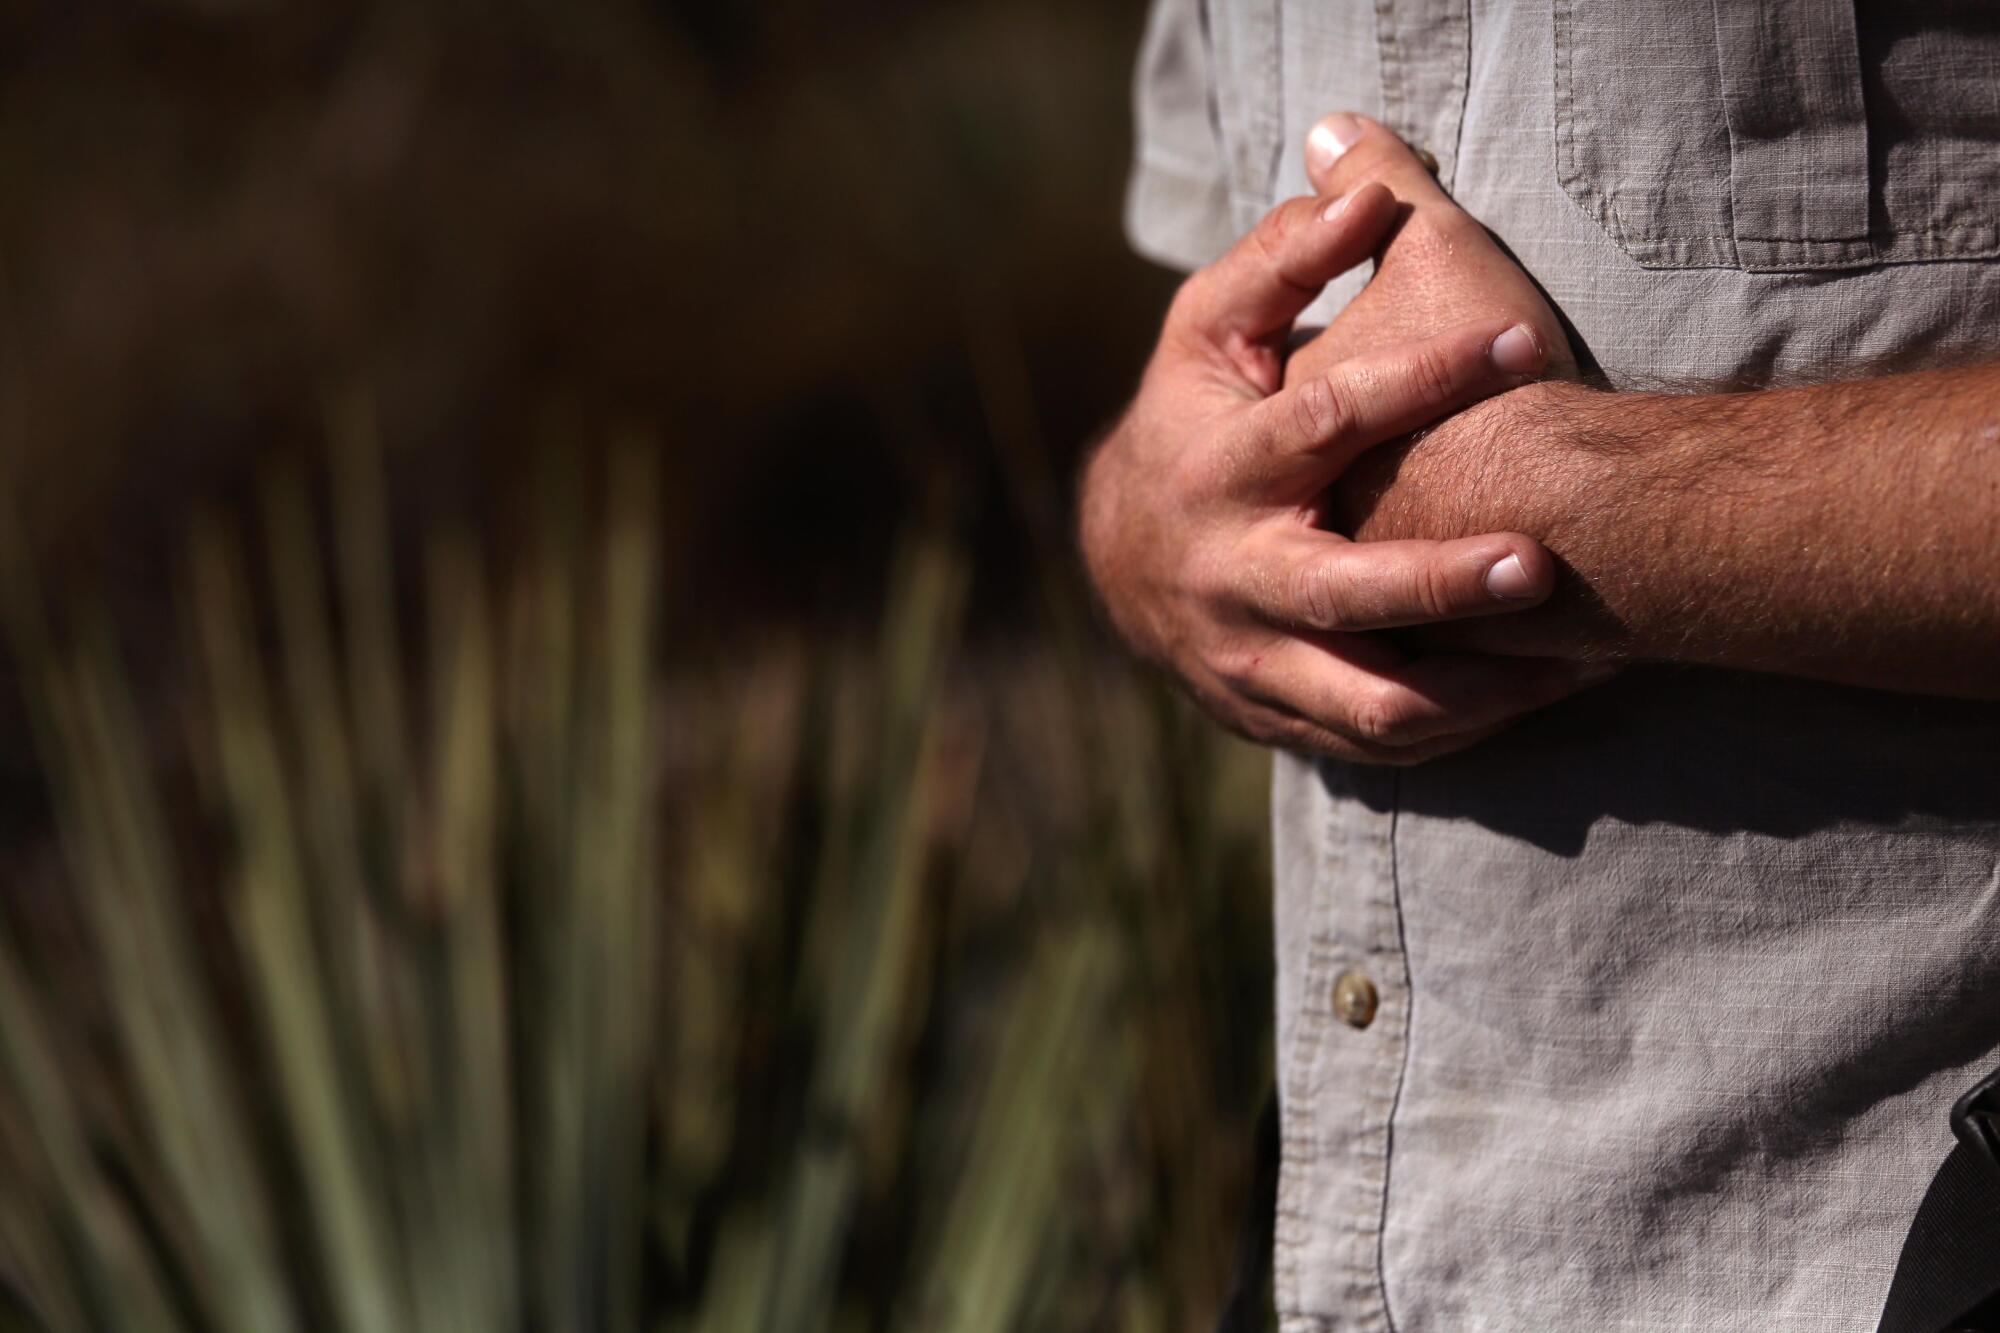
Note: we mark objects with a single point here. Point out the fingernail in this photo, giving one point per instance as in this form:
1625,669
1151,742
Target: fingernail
1332,137
1336,208
1517,351
1508,580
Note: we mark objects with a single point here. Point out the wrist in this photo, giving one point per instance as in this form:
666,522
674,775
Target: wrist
1515,462
1651,496
1571,472
1581,471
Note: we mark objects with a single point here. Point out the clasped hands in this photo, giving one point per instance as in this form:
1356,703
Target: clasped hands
1212,515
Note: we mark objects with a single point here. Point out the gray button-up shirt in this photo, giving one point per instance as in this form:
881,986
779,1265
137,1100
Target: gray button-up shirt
1647,1014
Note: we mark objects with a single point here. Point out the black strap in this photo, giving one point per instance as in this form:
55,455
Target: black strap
1243,1312
1948,1278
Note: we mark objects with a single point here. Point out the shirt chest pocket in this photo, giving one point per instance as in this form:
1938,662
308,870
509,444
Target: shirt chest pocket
1243,51
1782,135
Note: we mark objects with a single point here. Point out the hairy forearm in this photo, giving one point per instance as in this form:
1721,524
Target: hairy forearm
1847,532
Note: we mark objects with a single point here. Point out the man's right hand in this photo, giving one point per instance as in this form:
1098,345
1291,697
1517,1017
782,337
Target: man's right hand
1202,521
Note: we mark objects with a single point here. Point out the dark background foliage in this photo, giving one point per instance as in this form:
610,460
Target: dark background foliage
827,252
952,1005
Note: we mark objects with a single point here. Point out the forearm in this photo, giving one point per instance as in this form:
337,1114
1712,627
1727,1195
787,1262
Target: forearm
1847,532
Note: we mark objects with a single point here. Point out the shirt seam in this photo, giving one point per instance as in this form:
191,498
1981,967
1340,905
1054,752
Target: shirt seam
1403,1068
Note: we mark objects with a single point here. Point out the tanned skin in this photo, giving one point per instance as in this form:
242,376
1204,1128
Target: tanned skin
1204,519
1846,532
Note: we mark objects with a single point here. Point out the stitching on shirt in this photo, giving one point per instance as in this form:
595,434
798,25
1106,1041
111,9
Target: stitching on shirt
1664,247
1406,81
1248,119
1276,107
1298,1153
1212,93
1461,92
1585,192
1599,201
1389,66
1732,239
1403,1070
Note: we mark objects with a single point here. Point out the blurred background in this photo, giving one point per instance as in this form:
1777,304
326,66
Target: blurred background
558,769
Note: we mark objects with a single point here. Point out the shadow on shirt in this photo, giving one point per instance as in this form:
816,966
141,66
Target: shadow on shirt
1722,752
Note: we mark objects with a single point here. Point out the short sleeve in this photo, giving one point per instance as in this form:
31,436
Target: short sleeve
1177,201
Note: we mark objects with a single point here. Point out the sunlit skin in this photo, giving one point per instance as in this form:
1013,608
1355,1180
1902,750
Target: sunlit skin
1846,531
1843,531
1203,518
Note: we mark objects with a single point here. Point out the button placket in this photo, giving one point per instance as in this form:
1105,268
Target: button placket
1355,998
1341,1085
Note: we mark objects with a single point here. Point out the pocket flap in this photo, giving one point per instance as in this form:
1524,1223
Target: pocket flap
1730,135
1798,134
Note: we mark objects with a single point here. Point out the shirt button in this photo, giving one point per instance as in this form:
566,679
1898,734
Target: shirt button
1354,999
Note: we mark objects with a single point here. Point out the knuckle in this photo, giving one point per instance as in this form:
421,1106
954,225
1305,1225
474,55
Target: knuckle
1323,409
1190,477
1432,236
1430,377
1431,593
1381,717
1273,232
1209,695
1449,231
1263,728
1319,593
1188,296
1236,667
1202,600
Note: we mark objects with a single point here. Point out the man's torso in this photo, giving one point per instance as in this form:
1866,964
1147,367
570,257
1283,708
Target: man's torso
1675,983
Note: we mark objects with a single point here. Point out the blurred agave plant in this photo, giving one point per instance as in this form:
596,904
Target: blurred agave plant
536,975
